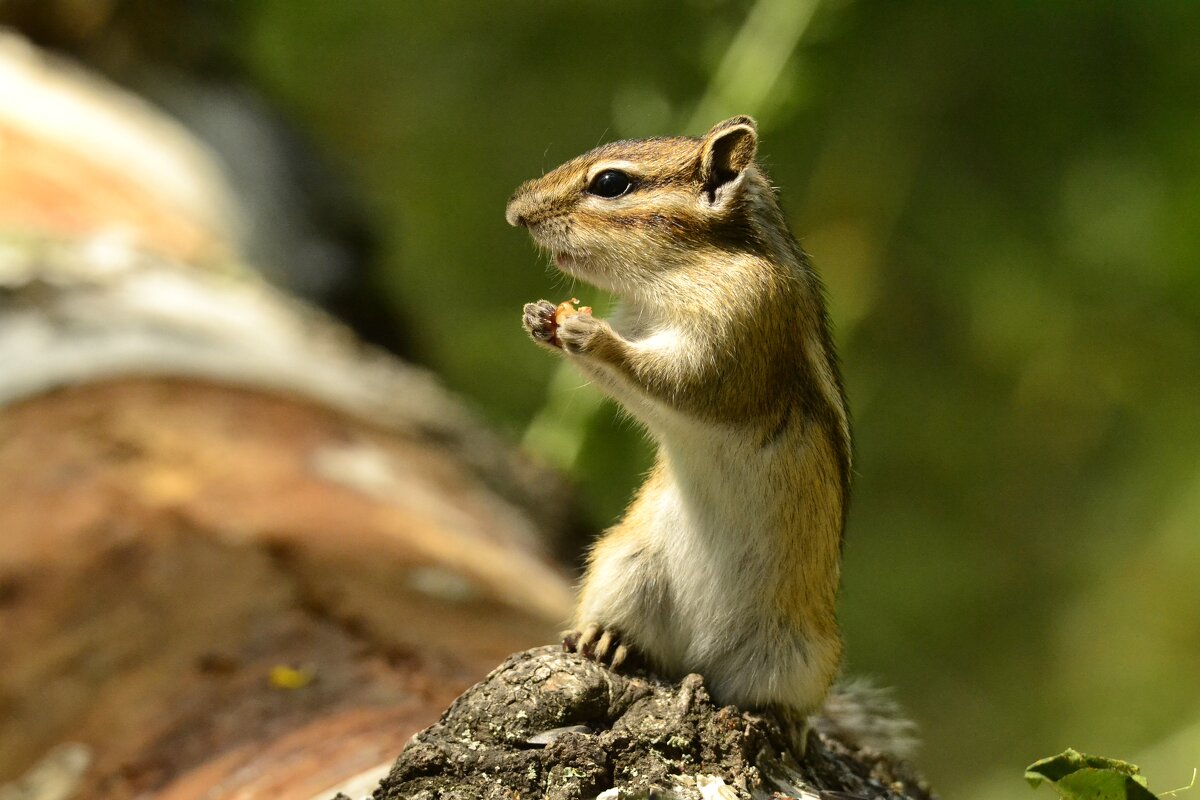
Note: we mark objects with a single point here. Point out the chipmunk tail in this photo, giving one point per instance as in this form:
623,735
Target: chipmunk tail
865,716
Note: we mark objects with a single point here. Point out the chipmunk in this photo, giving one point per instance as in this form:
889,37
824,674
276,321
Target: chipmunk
728,560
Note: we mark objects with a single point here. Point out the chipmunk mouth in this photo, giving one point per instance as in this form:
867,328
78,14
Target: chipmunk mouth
574,263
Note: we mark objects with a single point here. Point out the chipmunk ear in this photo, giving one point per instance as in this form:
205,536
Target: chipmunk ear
725,152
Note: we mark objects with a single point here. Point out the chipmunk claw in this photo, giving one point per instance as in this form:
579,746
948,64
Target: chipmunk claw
618,657
580,641
597,643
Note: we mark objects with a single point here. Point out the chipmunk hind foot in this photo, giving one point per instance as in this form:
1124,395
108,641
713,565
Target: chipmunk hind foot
600,644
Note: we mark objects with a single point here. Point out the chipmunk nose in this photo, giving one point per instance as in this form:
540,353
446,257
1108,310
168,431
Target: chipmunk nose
517,213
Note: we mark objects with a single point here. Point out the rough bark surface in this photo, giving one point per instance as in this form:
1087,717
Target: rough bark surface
549,724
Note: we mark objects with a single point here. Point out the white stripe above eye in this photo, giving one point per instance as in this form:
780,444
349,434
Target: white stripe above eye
628,167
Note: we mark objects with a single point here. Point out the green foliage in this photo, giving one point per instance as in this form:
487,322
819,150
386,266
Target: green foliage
1076,776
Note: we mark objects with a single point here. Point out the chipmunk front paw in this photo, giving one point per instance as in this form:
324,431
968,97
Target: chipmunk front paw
578,334
539,322
602,645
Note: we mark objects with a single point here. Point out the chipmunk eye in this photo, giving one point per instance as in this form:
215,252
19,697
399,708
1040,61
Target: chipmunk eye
610,183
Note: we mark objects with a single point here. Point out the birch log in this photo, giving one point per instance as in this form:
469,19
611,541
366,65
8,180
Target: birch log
241,554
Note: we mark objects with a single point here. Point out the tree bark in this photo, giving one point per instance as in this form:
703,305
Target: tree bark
549,724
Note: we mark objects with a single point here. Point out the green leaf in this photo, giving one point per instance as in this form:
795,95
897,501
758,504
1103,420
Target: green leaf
1077,776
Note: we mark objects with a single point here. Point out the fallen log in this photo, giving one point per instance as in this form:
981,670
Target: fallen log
241,554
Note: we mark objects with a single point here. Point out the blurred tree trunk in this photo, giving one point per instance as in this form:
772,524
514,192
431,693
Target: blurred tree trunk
240,553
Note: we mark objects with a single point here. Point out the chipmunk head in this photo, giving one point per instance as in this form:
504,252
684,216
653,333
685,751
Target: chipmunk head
629,214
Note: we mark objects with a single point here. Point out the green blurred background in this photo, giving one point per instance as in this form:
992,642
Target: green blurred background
1003,198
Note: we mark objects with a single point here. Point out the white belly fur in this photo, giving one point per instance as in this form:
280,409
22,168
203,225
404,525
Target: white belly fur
716,527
